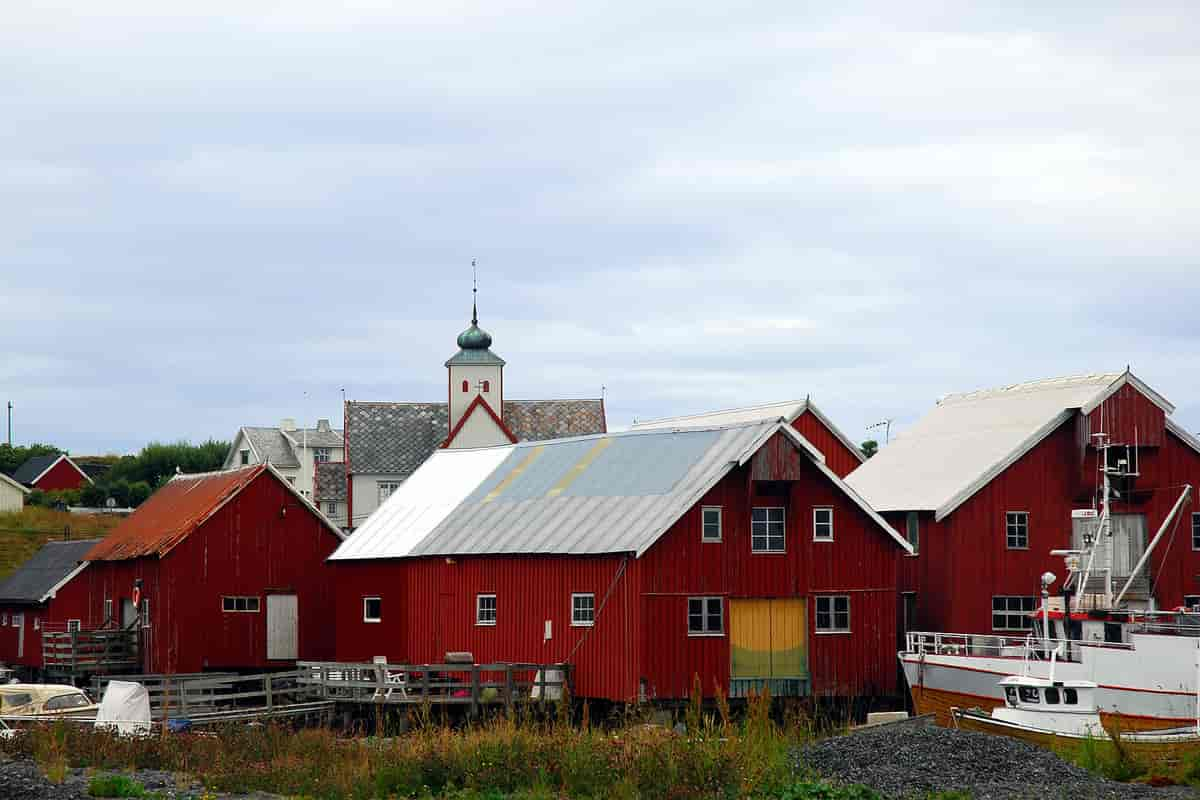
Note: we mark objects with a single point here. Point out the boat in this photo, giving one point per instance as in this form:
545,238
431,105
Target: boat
1143,661
1055,713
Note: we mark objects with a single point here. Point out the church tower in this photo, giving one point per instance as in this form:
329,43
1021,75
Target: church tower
476,402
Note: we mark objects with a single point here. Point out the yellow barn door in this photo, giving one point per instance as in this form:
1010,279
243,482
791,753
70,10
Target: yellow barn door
768,646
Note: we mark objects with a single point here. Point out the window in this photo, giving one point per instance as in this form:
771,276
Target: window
233,605
1070,696
321,455
1029,694
292,480
245,456
12,699
1011,613
73,626
18,620
145,619
1051,696
65,701
1196,531
1191,601
766,530
466,387
330,507
487,386
583,609
1010,694
372,609
108,610
37,623
3,620
1016,524
822,524
485,609
705,616
912,529
833,614
386,488
710,524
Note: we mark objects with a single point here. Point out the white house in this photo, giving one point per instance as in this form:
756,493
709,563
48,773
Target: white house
297,453
12,494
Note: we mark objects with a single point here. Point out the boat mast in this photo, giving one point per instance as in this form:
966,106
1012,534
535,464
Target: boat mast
1187,490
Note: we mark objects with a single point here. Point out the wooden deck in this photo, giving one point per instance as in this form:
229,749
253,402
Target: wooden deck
473,685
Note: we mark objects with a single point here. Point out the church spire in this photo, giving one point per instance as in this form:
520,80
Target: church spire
474,295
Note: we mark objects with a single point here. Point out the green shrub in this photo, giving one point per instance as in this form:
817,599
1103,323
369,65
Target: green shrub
115,786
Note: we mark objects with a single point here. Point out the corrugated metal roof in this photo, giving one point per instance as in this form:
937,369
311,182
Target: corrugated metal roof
172,513
969,438
34,579
610,493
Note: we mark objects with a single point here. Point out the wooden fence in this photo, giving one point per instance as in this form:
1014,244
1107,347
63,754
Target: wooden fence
197,695
89,652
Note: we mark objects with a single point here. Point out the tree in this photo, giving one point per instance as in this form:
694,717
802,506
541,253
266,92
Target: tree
11,458
869,448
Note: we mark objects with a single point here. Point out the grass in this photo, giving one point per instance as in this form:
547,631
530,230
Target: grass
23,532
115,786
500,758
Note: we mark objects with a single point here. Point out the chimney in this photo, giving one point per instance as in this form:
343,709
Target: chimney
287,424
323,426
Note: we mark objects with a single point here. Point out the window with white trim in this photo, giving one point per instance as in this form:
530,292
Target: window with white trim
372,609
583,609
485,609
710,524
330,507
18,620
1011,612
1191,602
822,524
73,626
766,530
1016,530
833,613
37,623
1196,531
321,455
385,489
145,619
3,620
912,529
706,616
245,457
237,604
108,610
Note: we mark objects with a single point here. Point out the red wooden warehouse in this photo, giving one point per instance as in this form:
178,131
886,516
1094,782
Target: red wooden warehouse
221,570
38,595
642,558
51,473
985,484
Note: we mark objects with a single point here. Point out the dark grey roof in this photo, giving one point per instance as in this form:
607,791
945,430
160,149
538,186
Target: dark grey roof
271,445
331,482
43,570
29,471
396,438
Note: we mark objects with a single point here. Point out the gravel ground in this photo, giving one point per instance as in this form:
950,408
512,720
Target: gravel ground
23,780
909,761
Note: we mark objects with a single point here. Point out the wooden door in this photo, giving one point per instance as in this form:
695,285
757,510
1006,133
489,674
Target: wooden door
768,646
283,620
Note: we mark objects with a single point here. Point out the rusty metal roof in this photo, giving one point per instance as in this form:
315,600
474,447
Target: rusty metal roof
172,513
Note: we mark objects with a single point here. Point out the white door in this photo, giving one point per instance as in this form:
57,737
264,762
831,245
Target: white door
19,621
282,621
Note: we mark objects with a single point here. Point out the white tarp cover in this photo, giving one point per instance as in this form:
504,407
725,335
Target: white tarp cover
125,708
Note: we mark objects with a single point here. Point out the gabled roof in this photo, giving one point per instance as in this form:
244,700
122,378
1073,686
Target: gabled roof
279,446
970,438
32,470
609,493
480,406
14,483
396,438
788,409
180,507
43,574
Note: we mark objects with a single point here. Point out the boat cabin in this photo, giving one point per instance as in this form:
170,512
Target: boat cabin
1046,704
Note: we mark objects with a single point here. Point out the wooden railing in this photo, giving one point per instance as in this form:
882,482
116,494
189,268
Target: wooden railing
437,684
196,695
89,651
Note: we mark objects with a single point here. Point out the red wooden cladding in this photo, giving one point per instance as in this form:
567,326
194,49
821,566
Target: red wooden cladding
264,541
640,639
70,602
838,457
63,475
1129,416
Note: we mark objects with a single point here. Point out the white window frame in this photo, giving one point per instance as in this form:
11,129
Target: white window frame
704,537
367,617
392,488
912,529
245,457
18,620
1008,612
321,455
706,615
4,620
1196,530
831,612
479,620
37,623
586,623
74,625
145,613
226,599
331,507
108,610
816,524
768,522
1019,521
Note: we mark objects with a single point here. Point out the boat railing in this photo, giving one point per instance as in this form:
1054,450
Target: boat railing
998,645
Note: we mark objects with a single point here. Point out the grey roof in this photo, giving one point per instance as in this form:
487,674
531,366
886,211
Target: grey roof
396,438
610,493
34,467
331,482
34,579
475,358
315,437
271,445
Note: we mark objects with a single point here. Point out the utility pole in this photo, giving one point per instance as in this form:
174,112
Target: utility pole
10,423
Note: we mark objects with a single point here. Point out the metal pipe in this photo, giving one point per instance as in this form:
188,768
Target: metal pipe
1187,490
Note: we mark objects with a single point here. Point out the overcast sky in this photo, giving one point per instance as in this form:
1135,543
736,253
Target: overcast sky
226,215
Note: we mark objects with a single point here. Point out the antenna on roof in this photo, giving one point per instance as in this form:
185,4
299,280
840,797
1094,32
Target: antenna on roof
474,294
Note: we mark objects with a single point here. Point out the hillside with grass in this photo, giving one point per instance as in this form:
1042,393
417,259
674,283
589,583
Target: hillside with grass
23,532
